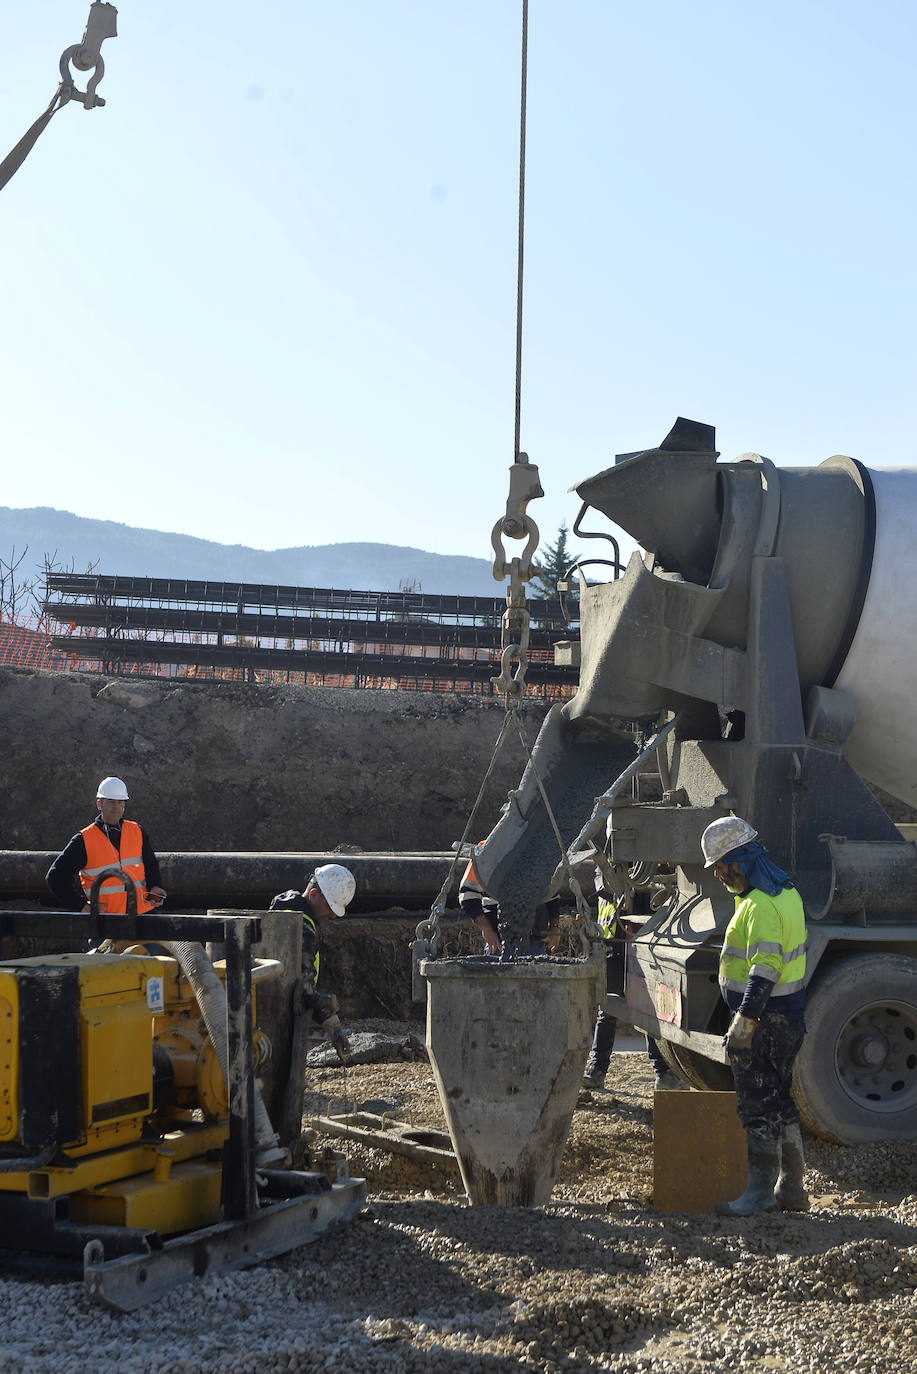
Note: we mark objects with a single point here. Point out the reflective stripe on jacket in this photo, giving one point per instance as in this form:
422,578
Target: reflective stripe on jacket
473,899
309,923
291,900
766,938
101,853
471,883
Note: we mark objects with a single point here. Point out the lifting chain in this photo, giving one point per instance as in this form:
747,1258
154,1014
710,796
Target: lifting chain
524,486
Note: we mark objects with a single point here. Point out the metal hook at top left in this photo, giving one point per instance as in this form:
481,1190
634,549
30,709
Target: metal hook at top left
87,56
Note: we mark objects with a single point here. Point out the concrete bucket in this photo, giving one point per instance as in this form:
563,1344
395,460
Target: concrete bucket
508,1045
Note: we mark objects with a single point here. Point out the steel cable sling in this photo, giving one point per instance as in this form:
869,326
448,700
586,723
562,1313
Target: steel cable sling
85,56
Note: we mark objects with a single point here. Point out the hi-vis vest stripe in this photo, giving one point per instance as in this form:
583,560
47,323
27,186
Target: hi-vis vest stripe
608,920
765,938
316,959
101,853
471,882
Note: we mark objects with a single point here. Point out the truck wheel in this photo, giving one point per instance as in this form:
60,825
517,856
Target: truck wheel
667,1050
855,1078
696,1069
702,1072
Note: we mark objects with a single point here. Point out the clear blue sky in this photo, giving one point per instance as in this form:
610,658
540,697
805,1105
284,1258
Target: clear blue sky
267,294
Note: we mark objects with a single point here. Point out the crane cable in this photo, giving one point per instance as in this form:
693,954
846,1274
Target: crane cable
520,243
524,485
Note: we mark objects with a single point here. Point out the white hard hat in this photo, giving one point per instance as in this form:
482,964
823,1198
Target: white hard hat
112,788
337,885
724,835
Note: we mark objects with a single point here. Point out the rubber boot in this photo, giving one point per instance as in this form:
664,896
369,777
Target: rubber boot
668,1082
791,1192
603,1042
763,1167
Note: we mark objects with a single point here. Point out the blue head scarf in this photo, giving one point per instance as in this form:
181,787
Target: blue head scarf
759,870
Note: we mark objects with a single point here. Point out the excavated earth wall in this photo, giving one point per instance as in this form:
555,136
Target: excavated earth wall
223,766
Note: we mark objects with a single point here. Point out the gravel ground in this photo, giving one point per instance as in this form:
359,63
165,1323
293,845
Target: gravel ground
596,1280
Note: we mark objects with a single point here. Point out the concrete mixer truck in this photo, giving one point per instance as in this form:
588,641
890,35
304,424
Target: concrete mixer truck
759,658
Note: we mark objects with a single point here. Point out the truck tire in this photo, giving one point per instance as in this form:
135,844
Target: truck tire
855,1078
701,1072
667,1050
695,1068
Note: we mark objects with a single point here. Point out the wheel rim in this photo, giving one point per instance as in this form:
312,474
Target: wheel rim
876,1057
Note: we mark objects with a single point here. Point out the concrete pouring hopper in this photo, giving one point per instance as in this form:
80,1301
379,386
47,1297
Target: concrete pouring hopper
508,1043
766,638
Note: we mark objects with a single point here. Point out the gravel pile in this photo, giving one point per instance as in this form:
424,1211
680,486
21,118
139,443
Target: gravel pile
596,1280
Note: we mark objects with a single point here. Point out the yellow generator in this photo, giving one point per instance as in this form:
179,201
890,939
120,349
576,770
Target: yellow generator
120,1146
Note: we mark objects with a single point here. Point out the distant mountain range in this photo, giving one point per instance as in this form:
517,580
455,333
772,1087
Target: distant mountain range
74,542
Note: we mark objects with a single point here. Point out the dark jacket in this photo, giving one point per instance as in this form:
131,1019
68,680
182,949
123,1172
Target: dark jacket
295,901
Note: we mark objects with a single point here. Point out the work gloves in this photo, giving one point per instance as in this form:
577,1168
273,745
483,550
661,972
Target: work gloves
323,1004
325,1011
741,1032
337,1037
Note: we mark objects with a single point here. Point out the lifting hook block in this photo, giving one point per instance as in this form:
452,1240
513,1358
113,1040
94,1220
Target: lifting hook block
87,56
524,486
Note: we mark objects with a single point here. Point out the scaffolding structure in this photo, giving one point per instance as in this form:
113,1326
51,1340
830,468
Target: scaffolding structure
170,627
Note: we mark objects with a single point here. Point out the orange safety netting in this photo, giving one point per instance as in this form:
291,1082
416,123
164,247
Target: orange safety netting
25,646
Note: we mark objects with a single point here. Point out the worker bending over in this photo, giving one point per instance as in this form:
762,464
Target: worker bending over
108,842
475,903
328,892
762,980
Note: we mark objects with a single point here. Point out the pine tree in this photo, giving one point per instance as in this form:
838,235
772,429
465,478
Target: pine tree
552,566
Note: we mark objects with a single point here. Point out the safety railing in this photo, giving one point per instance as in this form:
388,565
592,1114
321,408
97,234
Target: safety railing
209,631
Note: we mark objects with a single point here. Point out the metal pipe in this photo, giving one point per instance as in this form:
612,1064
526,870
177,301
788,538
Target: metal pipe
240,1197
69,925
201,879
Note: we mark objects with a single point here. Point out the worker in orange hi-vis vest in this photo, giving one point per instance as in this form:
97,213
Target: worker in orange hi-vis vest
484,910
108,842
481,908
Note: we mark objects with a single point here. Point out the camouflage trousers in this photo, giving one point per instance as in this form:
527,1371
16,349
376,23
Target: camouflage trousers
763,1075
